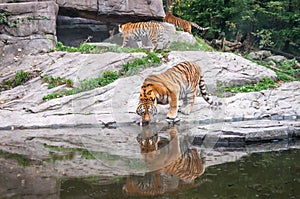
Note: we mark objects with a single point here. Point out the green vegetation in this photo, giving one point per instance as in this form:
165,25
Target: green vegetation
107,78
133,66
67,153
89,48
183,46
13,23
83,48
4,20
286,71
58,153
21,159
266,83
20,78
275,23
56,81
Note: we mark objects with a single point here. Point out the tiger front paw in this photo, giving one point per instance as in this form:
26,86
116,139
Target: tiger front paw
172,120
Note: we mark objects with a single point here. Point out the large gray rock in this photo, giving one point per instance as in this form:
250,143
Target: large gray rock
224,69
30,28
23,106
115,10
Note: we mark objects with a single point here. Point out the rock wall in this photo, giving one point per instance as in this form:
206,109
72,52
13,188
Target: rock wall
114,10
28,28
99,19
78,20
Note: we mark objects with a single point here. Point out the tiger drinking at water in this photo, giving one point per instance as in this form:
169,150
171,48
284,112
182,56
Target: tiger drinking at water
179,82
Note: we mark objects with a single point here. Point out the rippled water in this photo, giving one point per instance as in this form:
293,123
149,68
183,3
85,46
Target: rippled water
259,175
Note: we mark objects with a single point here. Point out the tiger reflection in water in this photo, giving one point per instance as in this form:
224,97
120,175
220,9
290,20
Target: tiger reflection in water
173,167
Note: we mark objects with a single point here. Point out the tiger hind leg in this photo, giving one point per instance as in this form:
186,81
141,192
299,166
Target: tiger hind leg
125,40
188,103
156,38
155,44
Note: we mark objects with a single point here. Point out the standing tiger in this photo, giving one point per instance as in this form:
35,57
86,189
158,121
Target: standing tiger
179,82
153,30
183,24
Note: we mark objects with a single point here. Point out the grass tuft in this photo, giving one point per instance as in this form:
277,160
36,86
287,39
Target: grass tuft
57,81
265,84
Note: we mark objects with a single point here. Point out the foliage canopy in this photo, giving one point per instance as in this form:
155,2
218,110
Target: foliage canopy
275,24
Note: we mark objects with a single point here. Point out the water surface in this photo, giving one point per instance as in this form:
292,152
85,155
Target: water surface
259,175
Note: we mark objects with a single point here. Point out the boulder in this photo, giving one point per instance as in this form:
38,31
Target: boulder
117,101
170,35
29,28
276,58
224,69
260,55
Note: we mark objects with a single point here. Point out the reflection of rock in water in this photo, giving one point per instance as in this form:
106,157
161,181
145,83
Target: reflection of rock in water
174,166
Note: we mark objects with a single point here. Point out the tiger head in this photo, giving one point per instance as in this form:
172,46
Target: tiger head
123,27
148,144
147,105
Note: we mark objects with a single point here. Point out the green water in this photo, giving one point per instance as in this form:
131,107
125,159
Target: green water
259,175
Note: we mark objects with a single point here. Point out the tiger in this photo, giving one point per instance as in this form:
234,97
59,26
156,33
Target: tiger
183,24
179,82
153,30
173,168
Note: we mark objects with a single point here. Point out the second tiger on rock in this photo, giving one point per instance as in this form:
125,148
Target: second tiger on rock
153,30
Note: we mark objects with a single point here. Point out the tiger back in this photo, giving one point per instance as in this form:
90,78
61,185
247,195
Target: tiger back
153,30
183,24
179,82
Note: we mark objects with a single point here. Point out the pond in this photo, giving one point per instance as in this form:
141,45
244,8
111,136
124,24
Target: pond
259,175
135,162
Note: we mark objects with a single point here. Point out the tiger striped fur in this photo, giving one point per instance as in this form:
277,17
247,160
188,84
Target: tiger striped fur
183,24
173,168
153,30
179,82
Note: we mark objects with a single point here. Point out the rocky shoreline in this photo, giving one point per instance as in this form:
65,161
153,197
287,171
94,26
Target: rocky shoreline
114,104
